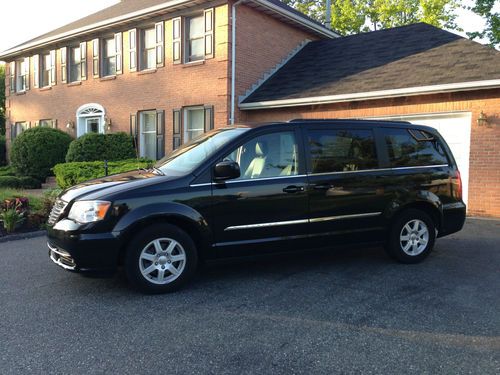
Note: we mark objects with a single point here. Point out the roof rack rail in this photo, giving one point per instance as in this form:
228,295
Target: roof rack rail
347,119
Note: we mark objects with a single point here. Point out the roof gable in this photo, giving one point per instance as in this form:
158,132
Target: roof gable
409,56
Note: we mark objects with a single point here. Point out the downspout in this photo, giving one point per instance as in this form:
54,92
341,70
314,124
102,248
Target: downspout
233,59
328,16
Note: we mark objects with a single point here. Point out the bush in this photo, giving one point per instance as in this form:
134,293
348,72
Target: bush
19,182
69,174
93,147
3,151
35,151
7,171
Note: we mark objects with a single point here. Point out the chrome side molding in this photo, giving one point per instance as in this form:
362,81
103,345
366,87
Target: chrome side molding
302,221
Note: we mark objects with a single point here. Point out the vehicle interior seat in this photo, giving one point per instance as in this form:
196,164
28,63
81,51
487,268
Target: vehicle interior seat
258,163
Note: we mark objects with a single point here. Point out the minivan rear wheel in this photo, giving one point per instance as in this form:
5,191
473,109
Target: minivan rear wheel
160,259
411,236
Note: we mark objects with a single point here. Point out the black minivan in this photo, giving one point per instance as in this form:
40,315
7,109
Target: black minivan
256,189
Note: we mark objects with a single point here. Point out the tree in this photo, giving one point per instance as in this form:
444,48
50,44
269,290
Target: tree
2,99
354,16
484,8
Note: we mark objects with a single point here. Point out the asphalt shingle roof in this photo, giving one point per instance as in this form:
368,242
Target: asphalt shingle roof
402,57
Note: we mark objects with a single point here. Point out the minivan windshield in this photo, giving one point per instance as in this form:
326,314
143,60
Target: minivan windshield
191,155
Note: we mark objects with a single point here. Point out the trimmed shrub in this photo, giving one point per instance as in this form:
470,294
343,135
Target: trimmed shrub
93,147
14,182
35,151
69,174
7,171
3,151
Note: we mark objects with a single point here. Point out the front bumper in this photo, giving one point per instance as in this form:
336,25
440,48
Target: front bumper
81,251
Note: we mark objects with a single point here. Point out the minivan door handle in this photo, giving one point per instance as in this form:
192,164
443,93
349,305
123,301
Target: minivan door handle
323,187
293,189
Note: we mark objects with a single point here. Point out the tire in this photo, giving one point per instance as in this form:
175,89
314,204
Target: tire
160,259
411,236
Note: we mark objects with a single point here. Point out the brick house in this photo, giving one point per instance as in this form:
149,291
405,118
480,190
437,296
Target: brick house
167,71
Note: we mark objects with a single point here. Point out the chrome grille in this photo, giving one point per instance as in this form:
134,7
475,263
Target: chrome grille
56,211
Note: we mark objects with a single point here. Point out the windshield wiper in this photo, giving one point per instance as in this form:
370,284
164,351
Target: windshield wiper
157,171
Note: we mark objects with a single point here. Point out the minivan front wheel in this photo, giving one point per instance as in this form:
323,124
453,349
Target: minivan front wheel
411,237
160,259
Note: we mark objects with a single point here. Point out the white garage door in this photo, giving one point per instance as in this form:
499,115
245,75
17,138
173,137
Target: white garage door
455,128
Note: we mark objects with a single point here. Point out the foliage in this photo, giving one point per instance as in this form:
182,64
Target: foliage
3,149
2,99
355,16
484,8
93,146
25,182
69,174
11,219
35,151
7,171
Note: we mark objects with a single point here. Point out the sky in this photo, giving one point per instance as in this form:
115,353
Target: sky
40,16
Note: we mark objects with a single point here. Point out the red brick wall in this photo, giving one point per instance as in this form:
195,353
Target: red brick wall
169,87
261,43
484,170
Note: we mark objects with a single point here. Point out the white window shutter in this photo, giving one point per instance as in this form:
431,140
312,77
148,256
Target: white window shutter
12,74
132,47
27,72
83,57
95,58
64,69
36,71
52,77
209,33
118,50
177,40
160,54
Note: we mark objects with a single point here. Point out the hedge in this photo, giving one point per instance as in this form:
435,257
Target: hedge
7,171
36,151
69,174
14,182
93,147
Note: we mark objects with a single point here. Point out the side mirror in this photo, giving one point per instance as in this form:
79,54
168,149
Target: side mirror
226,170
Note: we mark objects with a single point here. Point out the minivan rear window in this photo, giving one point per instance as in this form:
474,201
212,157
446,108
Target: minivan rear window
341,150
407,150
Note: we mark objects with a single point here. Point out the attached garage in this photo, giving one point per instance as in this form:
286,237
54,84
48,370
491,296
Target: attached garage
416,73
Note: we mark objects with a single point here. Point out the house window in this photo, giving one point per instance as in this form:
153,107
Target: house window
75,64
47,123
148,46
148,134
109,56
45,69
18,128
22,71
195,43
194,118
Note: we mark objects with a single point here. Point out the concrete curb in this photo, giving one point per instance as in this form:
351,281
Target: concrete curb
23,236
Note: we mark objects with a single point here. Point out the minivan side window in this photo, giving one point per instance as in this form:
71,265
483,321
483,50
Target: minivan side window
340,150
407,149
268,155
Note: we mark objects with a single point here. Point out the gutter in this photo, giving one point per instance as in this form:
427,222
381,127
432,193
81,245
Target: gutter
372,95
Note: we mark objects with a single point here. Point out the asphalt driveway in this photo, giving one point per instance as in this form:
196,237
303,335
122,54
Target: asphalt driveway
344,311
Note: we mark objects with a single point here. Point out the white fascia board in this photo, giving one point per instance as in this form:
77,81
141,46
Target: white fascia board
93,27
372,95
297,18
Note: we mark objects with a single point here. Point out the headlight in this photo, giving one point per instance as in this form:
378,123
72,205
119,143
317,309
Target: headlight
88,211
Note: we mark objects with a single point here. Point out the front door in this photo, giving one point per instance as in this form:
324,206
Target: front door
265,209
346,192
92,125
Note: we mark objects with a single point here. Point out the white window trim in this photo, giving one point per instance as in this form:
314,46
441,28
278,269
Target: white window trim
142,47
186,39
142,146
185,131
90,110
